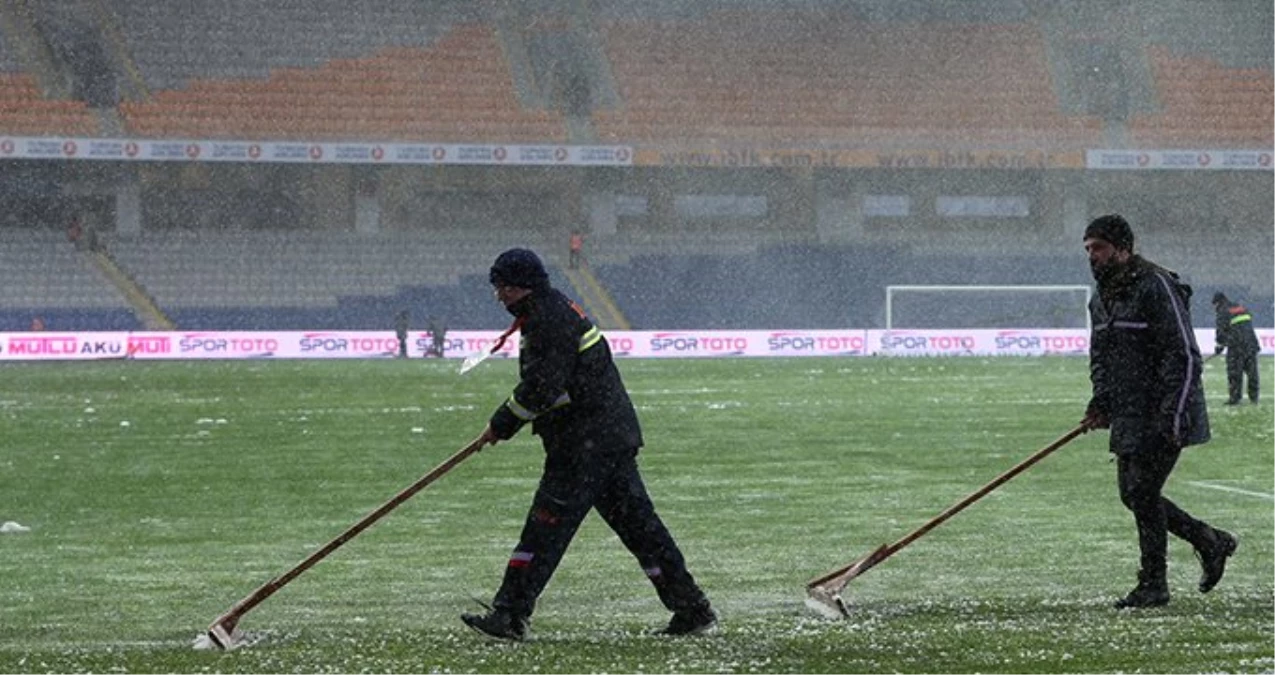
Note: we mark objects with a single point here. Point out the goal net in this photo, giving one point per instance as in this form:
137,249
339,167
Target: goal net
986,307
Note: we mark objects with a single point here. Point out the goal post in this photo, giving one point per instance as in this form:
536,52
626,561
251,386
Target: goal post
976,306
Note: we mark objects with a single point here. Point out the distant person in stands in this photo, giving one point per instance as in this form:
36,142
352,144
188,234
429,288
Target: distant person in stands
437,337
37,323
1236,336
401,326
1145,368
75,234
577,250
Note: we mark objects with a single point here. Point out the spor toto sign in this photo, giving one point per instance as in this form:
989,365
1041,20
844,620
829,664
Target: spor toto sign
1041,342
707,343
792,343
53,346
927,342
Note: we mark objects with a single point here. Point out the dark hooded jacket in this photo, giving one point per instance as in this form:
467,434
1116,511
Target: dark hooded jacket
1235,328
570,389
1143,359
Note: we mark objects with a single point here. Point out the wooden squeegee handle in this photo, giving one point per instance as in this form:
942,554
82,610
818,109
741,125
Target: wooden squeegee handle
270,587
863,564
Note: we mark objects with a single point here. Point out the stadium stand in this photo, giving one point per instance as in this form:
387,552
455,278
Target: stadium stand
1206,104
785,77
814,286
319,280
24,110
874,74
327,71
289,280
42,275
174,44
1212,261
453,91
803,285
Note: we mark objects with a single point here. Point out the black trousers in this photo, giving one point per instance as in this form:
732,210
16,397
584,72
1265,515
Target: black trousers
1141,475
570,487
1239,365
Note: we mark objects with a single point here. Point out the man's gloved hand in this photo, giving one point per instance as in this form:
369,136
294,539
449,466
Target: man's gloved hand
489,437
1095,420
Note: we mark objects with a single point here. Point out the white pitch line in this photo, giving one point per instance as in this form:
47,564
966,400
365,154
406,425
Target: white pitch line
1226,488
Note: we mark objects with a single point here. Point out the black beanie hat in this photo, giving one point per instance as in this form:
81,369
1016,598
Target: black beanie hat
1219,298
1112,228
519,267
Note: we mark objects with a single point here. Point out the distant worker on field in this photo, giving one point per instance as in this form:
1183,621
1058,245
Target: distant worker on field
577,250
401,326
571,393
1145,367
1236,336
437,337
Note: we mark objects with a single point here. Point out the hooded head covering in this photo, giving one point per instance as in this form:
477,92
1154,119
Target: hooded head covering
1113,229
519,267
1220,298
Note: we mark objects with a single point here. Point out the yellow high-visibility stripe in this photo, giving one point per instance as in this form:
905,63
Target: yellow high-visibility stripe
590,338
1241,318
519,411
525,414
522,412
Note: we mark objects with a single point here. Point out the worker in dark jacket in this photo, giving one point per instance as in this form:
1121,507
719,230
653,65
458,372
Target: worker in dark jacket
571,393
1145,367
401,326
1235,334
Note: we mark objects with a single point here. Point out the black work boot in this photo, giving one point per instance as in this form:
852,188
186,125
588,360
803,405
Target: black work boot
692,622
1213,559
498,624
1151,591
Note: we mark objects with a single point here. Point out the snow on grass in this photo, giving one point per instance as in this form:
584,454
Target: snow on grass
817,464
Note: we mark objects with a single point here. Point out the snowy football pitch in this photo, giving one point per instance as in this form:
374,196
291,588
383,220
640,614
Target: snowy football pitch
158,494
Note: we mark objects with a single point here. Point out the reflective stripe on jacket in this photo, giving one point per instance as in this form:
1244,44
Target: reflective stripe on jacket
1234,330
1143,359
569,388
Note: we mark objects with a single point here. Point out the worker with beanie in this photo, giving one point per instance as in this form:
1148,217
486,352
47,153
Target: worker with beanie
1236,336
1145,368
571,393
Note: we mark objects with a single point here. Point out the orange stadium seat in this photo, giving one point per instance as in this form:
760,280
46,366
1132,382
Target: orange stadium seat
1206,103
757,74
25,112
457,89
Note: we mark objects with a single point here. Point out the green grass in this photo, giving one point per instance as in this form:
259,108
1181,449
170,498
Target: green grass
769,472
